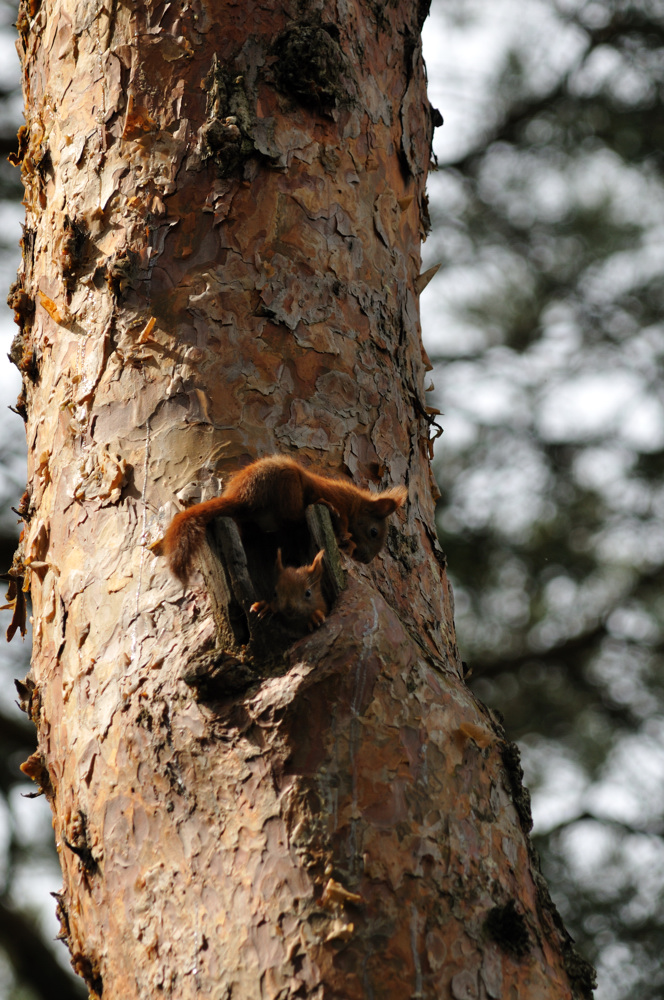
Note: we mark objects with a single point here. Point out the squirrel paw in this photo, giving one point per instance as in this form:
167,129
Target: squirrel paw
316,619
260,608
335,516
347,543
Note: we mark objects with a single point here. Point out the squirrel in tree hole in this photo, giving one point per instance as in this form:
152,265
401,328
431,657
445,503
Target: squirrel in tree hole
298,593
272,493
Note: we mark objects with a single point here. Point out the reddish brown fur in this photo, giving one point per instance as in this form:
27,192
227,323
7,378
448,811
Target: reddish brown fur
298,593
273,492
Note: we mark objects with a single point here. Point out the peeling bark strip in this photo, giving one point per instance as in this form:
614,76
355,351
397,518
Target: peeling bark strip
221,260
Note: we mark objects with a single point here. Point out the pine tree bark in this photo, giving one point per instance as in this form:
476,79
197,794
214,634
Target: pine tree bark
221,259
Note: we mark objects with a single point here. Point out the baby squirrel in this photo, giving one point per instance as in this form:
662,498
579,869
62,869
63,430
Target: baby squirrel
273,492
298,593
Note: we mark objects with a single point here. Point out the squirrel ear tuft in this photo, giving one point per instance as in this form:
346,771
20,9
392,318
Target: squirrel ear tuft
317,564
399,494
386,503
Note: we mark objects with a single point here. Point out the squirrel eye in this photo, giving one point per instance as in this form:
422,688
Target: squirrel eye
373,531
307,593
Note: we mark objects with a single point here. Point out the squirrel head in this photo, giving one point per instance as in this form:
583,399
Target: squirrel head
369,526
298,590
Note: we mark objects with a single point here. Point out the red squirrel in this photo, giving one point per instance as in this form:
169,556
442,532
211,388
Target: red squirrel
273,492
298,593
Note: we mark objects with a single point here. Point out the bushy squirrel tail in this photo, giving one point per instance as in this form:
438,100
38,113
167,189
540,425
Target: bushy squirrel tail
186,534
182,542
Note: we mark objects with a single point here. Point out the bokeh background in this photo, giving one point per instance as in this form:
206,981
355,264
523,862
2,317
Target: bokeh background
546,329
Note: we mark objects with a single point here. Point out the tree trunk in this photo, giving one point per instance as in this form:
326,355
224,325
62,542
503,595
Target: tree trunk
221,256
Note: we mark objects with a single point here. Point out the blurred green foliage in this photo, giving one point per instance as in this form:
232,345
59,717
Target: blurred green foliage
548,342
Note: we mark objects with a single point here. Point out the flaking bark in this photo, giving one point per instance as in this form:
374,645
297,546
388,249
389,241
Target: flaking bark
221,261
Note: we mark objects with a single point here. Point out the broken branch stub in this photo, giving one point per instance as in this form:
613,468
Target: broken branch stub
319,523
